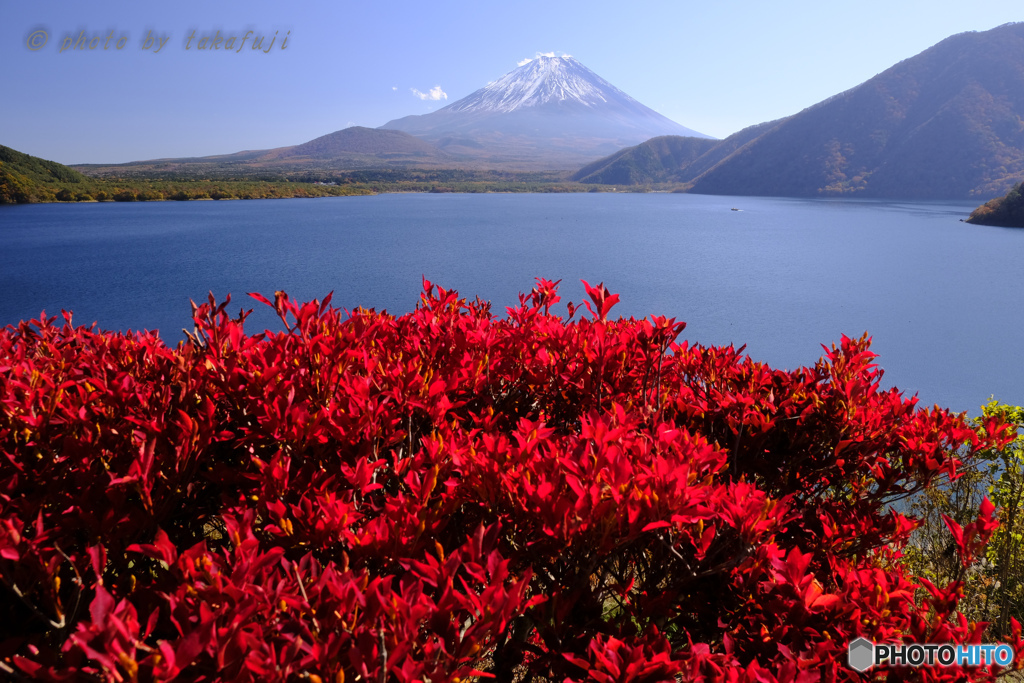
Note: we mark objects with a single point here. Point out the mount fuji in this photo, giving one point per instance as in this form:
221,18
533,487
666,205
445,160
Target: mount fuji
550,112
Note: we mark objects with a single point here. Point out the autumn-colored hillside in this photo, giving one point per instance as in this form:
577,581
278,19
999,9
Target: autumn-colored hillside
943,124
1006,211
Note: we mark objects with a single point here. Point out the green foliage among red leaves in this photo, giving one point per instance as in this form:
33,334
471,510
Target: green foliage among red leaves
448,494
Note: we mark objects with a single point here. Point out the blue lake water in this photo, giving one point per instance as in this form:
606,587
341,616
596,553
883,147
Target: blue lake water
941,298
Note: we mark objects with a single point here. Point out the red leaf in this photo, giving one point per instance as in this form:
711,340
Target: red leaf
259,297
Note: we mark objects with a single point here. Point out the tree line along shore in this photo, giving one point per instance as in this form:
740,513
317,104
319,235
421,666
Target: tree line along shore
25,179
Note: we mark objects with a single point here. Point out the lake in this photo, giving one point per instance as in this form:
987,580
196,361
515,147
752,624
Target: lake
941,298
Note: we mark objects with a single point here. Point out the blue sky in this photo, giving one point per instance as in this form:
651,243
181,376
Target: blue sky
715,66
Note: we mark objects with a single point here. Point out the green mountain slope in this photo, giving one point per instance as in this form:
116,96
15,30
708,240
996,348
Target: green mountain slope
658,160
723,150
25,178
665,159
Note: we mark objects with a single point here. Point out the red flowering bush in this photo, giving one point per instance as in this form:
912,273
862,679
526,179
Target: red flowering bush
447,494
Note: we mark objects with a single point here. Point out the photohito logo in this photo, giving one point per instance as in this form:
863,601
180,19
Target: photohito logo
863,654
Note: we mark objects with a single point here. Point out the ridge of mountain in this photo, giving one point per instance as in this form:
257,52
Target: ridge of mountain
659,159
360,140
41,170
947,123
667,159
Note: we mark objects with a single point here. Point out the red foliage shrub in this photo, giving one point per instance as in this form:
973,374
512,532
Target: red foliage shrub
447,494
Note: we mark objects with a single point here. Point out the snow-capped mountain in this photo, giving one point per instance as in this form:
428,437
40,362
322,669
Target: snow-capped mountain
541,81
551,111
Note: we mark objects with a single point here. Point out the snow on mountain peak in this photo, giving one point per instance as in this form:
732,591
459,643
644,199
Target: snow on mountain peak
549,102
541,80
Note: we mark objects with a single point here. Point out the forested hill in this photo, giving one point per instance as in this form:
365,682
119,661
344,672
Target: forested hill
22,176
658,160
25,179
947,123
670,159
943,124
1006,211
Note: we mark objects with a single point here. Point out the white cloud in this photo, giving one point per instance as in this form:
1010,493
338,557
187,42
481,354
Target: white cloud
394,87
538,55
434,93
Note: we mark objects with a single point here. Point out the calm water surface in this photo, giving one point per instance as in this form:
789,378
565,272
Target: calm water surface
942,299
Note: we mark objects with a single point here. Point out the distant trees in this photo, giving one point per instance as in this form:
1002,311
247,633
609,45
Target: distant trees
27,179
13,188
